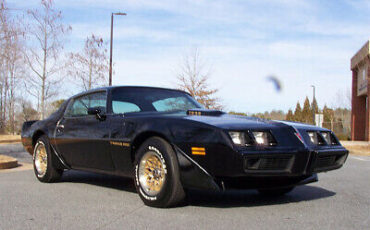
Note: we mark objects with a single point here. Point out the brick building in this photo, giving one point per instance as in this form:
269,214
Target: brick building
360,66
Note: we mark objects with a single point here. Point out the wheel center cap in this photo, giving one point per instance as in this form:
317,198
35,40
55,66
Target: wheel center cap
157,173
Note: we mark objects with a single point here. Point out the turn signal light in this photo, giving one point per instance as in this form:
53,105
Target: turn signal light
198,151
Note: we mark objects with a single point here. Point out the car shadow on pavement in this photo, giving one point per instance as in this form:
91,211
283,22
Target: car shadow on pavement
250,198
109,181
227,199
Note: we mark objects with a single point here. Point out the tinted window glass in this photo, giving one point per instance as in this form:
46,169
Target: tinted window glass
81,104
124,107
151,100
98,100
173,104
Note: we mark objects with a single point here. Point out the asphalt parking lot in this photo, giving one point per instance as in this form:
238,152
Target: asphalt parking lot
340,200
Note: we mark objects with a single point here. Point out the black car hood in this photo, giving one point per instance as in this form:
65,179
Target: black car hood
234,122
228,121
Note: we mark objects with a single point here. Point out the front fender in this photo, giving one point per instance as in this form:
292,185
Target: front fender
192,175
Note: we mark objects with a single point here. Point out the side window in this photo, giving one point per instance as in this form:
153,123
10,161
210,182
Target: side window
98,100
124,107
81,104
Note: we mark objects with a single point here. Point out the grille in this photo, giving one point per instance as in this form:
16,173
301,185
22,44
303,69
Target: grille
278,163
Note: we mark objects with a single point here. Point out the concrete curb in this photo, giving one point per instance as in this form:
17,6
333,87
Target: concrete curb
7,162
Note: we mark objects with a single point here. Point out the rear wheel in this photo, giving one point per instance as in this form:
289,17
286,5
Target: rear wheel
275,192
42,162
157,176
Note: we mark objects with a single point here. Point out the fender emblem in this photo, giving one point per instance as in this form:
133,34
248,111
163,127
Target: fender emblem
118,143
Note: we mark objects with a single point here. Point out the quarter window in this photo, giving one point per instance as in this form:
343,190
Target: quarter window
124,107
172,104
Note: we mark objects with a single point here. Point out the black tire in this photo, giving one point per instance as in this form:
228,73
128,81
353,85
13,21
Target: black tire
275,192
171,192
50,174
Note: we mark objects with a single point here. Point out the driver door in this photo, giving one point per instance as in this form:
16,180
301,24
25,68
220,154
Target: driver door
82,139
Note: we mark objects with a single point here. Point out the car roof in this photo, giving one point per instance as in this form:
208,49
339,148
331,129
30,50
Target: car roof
128,87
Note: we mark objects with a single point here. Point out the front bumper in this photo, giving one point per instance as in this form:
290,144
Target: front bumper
293,163
272,168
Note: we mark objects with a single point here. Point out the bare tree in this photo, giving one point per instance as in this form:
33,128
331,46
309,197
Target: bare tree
27,111
11,65
43,57
3,63
343,99
90,66
193,78
16,72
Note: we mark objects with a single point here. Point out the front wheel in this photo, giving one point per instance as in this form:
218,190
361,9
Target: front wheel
157,176
275,192
42,162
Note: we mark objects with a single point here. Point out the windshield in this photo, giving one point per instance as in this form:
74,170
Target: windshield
128,100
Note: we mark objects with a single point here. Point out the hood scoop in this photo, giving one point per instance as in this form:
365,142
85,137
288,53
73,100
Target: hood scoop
204,112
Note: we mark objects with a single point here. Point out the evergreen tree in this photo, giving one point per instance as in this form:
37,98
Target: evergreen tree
314,105
298,112
307,111
289,116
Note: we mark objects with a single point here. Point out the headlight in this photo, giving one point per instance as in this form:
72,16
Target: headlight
264,138
329,138
315,138
237,137
260,138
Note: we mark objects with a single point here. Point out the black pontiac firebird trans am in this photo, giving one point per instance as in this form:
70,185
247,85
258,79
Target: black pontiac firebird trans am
167,142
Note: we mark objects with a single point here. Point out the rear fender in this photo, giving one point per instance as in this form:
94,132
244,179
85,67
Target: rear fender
26,125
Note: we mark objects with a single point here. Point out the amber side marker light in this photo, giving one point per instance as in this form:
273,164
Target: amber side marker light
198,151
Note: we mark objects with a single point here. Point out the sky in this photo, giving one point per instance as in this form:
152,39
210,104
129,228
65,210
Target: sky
242,42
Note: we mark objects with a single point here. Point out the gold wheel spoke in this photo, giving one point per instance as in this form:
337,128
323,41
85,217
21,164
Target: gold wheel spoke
41,159
151,173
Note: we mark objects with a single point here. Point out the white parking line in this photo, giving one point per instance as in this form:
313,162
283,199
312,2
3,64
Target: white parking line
359,158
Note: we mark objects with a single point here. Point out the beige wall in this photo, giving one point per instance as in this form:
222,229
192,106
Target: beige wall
362,79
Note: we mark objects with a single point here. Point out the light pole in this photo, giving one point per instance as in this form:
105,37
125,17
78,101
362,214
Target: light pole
313,105
111,45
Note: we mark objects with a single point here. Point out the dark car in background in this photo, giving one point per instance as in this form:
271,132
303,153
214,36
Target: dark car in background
167,142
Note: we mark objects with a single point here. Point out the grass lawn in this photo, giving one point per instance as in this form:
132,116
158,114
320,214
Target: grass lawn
363,150
4,139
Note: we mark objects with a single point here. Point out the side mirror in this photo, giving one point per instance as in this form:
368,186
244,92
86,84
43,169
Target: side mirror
98,112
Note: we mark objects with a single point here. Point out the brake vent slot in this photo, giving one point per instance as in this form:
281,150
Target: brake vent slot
268,163
328,161
325,161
